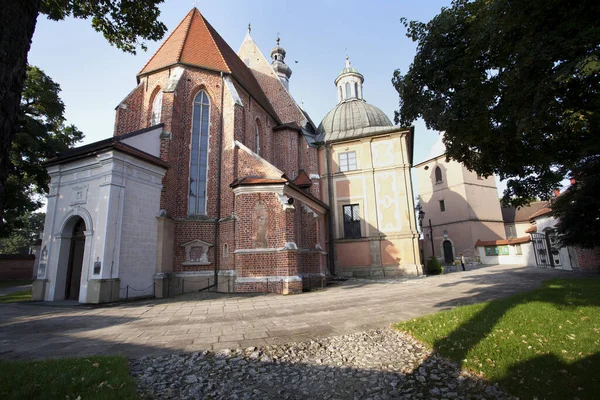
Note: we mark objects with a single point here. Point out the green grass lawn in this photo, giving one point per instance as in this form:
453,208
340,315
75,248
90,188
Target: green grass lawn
4,284
544,343
24,295
70,378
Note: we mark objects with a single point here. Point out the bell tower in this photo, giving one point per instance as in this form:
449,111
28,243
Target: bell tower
278,64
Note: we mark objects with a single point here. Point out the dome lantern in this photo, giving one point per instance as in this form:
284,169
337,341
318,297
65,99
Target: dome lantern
349,83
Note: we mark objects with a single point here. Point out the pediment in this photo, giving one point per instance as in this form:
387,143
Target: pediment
196,242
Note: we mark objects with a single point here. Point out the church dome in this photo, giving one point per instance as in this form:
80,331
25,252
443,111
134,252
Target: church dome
353,118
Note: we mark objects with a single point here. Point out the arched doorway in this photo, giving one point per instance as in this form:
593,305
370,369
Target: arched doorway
75,264
448,253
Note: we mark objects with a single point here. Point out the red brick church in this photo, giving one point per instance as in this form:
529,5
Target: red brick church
213,178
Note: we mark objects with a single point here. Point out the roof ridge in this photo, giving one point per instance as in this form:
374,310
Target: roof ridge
167,39
206,25
187,33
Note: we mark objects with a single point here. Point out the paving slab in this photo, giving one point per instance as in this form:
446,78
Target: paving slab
148,327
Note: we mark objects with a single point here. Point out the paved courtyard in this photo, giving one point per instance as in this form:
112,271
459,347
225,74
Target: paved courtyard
212,321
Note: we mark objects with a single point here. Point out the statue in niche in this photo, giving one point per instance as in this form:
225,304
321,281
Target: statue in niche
260,225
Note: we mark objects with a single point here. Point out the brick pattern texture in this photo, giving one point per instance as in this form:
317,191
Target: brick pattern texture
285,149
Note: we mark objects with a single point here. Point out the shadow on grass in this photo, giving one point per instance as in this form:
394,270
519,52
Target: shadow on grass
544,375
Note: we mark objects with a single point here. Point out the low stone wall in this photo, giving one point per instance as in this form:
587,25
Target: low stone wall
16,267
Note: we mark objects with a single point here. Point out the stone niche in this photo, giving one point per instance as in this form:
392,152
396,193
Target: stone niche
260,226
196,252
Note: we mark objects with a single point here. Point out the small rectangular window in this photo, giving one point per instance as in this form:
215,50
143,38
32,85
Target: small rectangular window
442,206
351,221
348,161
518,249
505,251
489,250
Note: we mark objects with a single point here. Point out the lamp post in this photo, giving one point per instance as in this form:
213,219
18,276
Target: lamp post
421,216
431,237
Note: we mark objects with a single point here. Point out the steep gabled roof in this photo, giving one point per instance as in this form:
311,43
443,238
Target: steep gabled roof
195,43
522,214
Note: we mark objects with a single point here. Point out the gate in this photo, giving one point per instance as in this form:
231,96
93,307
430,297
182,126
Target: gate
540,249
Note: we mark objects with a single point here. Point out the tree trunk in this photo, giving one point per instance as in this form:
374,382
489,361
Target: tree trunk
17,23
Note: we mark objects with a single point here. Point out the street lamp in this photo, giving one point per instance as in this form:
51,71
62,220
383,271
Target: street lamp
421,216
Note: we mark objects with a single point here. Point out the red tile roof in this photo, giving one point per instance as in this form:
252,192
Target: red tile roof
524,239
541,211
531,229
194,42
521,214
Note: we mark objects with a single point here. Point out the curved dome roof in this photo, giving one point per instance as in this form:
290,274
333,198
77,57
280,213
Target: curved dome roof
348,71
354,118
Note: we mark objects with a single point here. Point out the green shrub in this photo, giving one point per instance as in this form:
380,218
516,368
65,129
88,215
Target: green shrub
434,267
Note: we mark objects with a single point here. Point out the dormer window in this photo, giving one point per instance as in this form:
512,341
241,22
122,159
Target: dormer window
438,175
156,109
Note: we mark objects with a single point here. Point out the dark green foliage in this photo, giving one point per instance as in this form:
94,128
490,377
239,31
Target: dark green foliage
434,267
26,230
124,23
121,22
515,86
578,208
40,134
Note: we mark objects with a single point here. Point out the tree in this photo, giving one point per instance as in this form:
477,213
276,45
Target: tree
122,22
40,134
20,239
514,86
577,208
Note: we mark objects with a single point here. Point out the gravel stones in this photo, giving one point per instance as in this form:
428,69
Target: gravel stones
378,364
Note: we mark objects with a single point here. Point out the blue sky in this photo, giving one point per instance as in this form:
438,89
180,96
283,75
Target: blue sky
95,77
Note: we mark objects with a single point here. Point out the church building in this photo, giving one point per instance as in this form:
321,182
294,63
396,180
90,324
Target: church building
215,178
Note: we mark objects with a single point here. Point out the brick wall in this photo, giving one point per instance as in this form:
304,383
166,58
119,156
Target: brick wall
14,267
589,259
285,149
128,117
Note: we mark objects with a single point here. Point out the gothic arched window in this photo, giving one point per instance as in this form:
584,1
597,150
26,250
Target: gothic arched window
348,90
257,139
156,109
438,175
198,154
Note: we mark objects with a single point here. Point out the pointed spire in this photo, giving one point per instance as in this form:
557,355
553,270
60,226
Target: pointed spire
347,61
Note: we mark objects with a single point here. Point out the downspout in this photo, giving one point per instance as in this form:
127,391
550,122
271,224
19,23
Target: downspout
411,204
331,210
219,157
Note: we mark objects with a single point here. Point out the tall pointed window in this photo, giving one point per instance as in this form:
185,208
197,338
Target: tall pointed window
198,154
156,109
438,175
356,90
347,90
257,139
